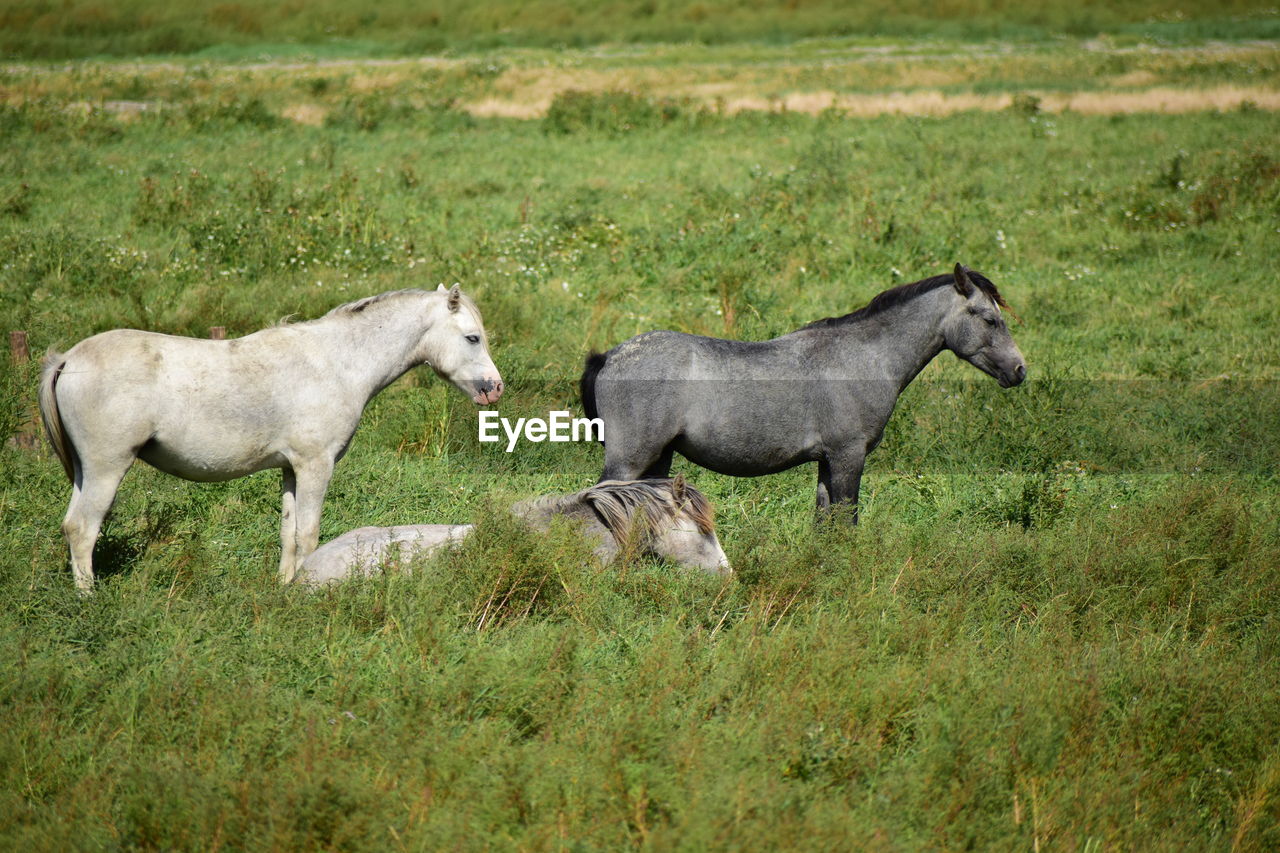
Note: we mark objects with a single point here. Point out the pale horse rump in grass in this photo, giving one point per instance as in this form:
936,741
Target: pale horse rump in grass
664,518
822,393
287,397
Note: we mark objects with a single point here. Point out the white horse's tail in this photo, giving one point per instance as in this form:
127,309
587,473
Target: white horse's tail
50,370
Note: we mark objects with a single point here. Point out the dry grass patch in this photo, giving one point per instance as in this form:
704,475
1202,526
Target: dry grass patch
504,108
859,80
309,114
1135,79
1164,99
384,80
928,102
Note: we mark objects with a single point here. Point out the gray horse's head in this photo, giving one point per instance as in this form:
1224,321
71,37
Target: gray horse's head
669,518
975,330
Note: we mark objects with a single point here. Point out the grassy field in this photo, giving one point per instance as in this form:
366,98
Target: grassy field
1055,628
217,29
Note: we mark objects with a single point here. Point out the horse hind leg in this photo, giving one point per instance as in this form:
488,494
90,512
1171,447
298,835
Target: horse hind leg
93,491
289,561
824,487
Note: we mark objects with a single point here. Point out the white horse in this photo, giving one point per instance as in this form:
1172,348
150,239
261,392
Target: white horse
287,397
666,518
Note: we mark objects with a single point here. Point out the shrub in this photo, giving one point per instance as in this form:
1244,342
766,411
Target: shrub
609,113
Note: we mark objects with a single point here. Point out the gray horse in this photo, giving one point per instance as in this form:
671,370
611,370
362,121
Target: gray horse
286,397
820,394
665,518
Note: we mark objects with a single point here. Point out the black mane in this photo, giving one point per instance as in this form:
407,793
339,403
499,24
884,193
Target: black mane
905,293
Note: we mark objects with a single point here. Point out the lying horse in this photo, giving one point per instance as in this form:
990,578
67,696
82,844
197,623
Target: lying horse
286,397
664,518
820,394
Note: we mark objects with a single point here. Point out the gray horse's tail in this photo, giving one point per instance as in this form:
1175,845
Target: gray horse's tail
50,370
587,385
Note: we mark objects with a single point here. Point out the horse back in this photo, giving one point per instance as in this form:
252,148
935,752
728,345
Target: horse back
679,355
360,551
242,371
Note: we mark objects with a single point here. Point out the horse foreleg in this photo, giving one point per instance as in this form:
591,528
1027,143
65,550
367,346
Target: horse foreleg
660,469
626,459
92,494
839,481
304,492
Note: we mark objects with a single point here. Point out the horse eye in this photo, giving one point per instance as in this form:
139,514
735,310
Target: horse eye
475,339
991,321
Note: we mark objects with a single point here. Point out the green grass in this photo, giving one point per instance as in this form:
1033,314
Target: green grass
39,29
318,88
1055,626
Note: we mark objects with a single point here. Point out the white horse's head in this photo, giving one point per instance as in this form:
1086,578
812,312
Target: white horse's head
457,348
687,543
690,539
668,518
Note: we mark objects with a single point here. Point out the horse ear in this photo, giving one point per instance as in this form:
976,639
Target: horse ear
455,297
963,284
677,486
440,287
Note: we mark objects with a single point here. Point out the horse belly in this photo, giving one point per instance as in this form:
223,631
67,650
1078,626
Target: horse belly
755,464
207,464
211,440
744,452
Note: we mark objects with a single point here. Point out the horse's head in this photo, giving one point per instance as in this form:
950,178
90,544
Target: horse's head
974,329
458,348
678,524
690,536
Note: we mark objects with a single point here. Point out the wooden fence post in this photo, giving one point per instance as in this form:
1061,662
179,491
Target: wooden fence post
18,347
218,333
25,437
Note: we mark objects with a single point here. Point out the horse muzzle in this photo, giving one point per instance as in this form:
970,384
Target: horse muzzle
486,391
1010,378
